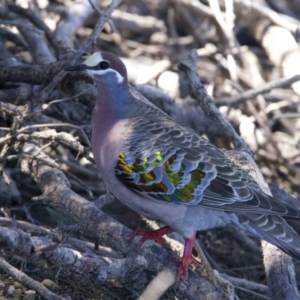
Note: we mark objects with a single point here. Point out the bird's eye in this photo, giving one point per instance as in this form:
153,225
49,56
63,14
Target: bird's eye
103,65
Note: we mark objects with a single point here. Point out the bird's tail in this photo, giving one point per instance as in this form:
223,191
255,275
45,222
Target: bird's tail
273,229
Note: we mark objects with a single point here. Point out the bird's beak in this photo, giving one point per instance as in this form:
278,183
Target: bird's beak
81,67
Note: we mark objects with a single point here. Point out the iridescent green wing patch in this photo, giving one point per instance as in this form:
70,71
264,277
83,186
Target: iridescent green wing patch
162,177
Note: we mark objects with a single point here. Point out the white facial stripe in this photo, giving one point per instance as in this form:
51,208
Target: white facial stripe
120,78
93,59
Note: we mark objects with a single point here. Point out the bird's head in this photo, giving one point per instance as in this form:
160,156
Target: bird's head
103,67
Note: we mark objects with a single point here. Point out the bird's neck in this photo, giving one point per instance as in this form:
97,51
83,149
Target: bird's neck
113,100
107,123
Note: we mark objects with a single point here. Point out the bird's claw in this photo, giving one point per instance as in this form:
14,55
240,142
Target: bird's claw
155,235
183,267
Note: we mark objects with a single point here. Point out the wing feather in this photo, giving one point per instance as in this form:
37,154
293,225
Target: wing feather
173,164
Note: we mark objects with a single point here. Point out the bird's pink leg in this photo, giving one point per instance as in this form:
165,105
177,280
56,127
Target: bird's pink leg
187,258
150,235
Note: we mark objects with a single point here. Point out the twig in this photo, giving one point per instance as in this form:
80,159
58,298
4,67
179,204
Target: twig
266,12
287,115
8,35
89,41
27,281
208,269
35,19
47,105
243,283
136,23
190,67
100,12
96,7
277,6
15,239
9,109
33,74
35,230
29,127
51,134
28,227
252,292
36,43
251,94
58,255
75,166
227,32
52,164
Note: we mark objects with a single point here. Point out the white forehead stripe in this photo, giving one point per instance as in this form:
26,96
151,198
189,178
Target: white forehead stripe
119,77
93,59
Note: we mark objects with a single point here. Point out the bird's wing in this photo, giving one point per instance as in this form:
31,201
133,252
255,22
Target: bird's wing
173,164
272,229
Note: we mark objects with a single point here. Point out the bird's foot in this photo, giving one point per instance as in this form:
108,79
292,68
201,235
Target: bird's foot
187,258
155,235
183,266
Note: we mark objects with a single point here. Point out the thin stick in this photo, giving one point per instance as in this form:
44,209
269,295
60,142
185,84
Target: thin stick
89,41
251,94
27,281
7,138
190,67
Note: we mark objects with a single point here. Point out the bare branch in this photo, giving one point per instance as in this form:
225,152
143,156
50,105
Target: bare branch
251,94
190,67
27,281
91,39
